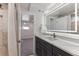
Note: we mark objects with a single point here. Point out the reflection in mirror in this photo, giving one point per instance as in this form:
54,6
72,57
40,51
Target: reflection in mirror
62,19
77,17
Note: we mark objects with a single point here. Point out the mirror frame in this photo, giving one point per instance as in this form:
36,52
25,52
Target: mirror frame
50,12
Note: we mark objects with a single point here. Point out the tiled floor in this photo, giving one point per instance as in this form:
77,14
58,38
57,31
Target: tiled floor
27,47
33,55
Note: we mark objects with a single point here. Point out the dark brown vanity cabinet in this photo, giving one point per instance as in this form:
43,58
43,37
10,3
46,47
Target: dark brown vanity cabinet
44,48
58,52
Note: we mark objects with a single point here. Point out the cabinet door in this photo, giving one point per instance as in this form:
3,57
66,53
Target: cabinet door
49,49
58,52
43,48
38,47
44,51
46,48
39,51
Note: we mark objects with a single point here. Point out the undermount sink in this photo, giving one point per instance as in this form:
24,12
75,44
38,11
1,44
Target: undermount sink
49,38
74,42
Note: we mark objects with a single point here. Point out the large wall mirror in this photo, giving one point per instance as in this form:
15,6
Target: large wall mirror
63,19
78,17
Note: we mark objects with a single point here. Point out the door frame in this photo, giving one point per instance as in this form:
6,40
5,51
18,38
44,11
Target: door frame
12,43
19,29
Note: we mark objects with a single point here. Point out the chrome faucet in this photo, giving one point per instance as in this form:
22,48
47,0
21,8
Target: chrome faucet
53,35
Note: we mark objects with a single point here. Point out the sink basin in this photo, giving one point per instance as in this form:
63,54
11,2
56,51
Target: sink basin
49,38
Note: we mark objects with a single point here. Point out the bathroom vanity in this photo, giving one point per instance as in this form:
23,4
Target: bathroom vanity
44,48
63,21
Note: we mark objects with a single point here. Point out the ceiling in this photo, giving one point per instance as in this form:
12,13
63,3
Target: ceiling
25,6
68,9
34,7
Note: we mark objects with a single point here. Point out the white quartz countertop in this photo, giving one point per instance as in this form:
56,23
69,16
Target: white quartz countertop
70,48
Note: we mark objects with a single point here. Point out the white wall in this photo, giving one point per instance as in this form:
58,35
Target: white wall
38,22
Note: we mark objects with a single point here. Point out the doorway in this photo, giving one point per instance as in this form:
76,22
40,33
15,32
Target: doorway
27,34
